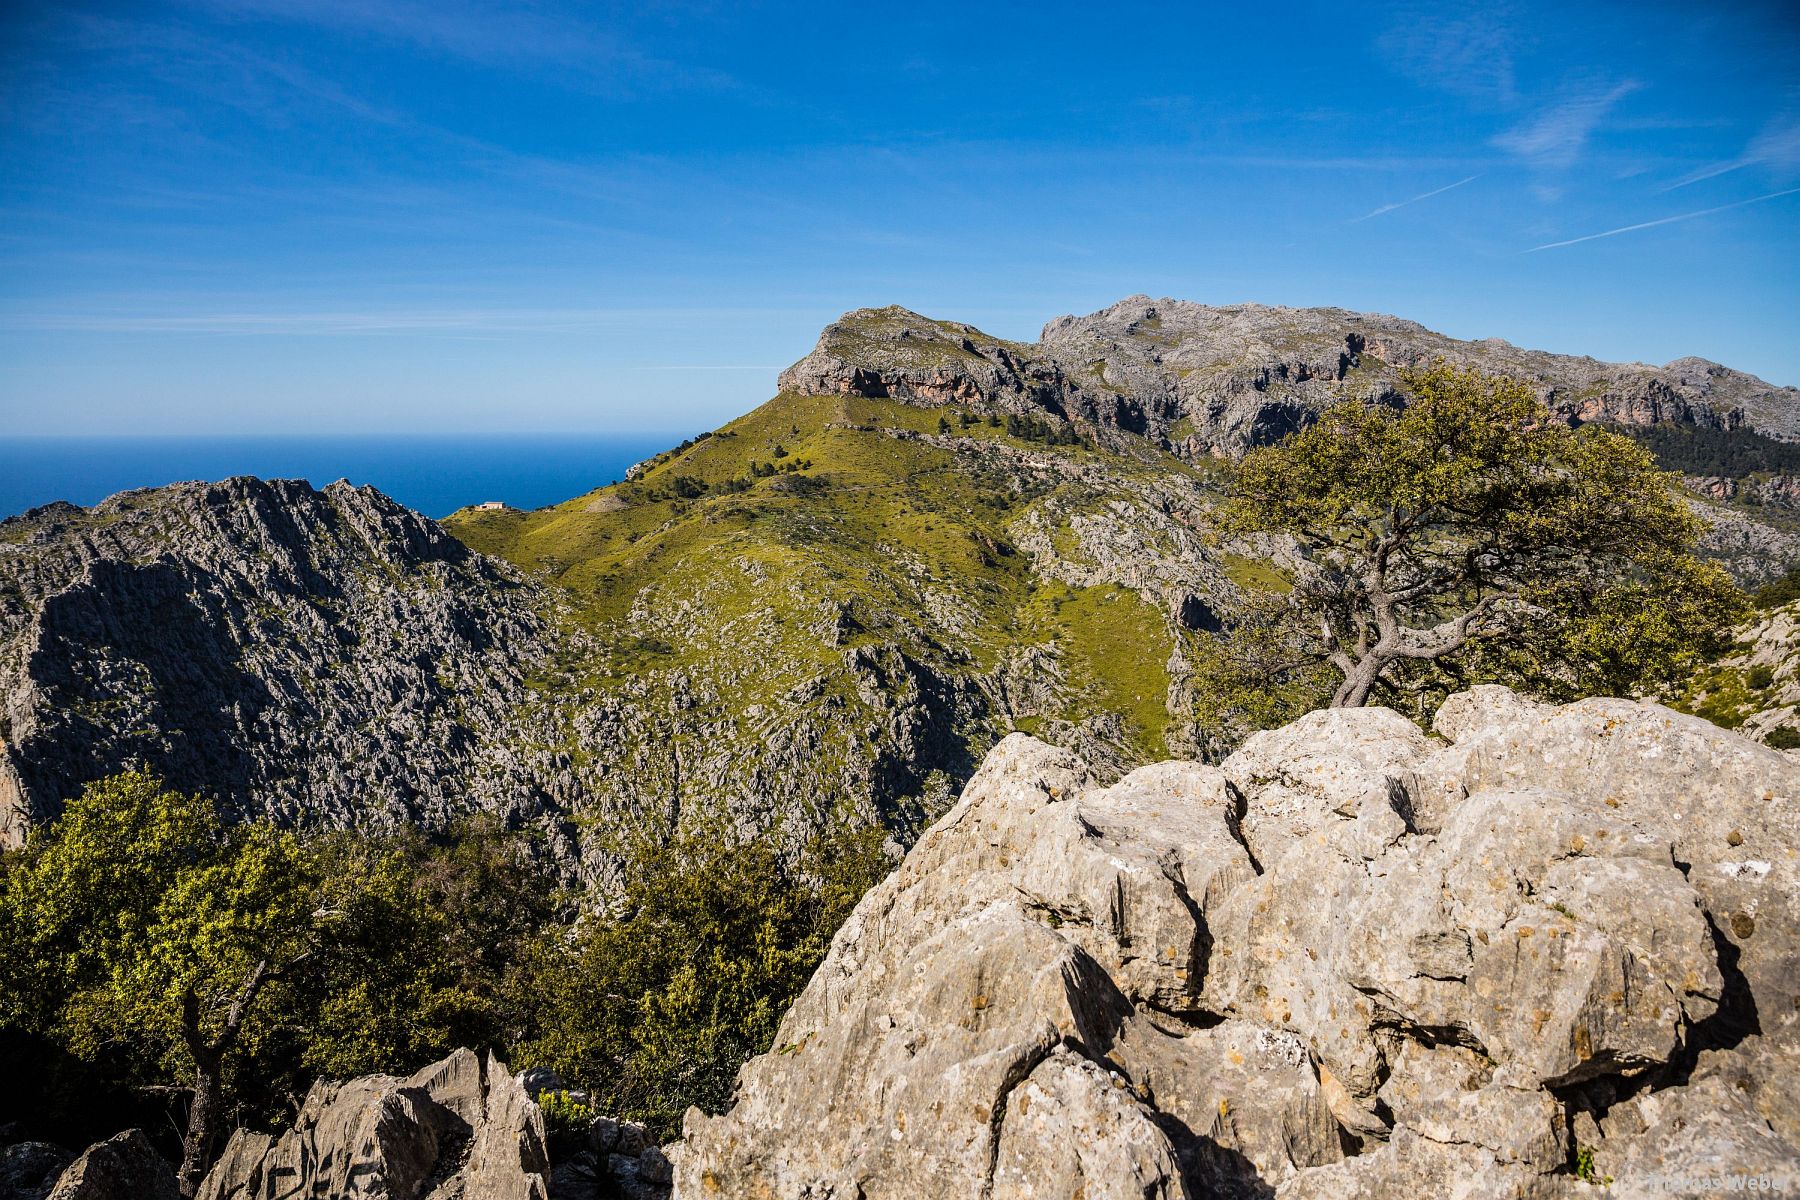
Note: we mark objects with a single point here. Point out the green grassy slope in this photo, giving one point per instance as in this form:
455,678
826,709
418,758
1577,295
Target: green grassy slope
827,599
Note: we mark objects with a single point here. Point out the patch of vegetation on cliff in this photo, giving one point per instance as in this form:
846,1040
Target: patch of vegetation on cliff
1119,646
1696,450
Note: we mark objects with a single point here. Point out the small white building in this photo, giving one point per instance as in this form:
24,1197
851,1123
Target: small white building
490,505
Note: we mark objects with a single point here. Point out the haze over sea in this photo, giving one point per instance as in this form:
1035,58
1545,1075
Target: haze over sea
433,474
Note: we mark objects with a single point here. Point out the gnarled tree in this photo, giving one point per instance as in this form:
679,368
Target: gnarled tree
146,922
1470,536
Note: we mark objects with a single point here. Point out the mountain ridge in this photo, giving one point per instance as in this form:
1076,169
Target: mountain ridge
828,608
1218,379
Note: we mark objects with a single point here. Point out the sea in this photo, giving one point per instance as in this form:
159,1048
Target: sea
434,475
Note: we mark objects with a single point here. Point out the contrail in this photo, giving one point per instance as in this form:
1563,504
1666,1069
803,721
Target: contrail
1705,212
1388,208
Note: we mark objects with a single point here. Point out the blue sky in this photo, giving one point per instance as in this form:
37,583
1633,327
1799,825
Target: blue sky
231,216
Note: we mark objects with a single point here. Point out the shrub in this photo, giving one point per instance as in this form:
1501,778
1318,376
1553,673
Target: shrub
565,1116
655,1005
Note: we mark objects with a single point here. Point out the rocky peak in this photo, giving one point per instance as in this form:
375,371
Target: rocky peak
306,655
1205,379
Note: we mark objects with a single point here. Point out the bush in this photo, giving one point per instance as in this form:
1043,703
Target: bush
1782,591
398,950
565,1116
139,892
654,1006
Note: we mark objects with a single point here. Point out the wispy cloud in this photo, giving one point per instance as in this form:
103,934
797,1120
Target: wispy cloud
492,35
1776,146
1704,212
1556,137
1388,208
1468,53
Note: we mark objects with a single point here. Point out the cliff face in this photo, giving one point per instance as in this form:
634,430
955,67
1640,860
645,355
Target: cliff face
1351,961
310,657
1216,380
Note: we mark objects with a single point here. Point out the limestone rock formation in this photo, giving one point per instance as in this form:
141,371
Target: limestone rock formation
1215,380
323,657
460,1129
1773,491
124,1167
1353,960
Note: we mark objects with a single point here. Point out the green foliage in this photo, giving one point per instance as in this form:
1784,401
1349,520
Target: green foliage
1255,676
1783,737
565,1116
1694,450
1584,1167
388,952
1470,537
479,900
654,1006
376,954
138,900
1782,591
1032,429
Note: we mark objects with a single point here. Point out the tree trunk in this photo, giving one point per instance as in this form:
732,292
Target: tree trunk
202,1117
1359,681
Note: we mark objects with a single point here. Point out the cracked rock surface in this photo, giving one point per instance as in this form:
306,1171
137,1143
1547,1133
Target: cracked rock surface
1351,961
457,1130
324,657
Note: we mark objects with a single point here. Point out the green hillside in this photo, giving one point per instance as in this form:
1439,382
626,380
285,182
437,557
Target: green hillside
865,594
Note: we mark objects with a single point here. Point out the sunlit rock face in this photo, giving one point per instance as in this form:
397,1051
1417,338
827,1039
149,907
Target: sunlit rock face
1353,960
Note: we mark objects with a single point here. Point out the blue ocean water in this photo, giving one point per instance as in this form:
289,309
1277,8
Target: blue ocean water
434,475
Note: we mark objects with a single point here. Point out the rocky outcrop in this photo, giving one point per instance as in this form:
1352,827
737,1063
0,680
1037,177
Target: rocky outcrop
1773,491
1353,960
1208,380
306,656
460,1128
1756,687
124,1167
28,1170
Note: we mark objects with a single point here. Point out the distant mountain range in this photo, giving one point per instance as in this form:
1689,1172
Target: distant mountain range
837,602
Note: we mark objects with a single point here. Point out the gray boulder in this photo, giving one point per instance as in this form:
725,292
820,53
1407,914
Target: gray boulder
28,1170
460,1128
123,1167
1351,961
